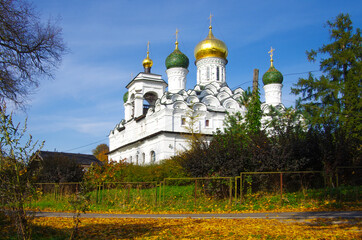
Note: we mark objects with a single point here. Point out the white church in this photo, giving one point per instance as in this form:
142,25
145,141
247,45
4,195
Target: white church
157,112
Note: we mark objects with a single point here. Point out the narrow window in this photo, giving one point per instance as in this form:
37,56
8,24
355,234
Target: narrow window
143,158
208,73
207,122
217,73
183,121
153,157
137,159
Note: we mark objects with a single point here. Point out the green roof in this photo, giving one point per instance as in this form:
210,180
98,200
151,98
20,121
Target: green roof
272,76
125,97
177,59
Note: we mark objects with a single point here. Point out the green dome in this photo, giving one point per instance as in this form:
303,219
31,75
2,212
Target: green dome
272,76
177,59
125,97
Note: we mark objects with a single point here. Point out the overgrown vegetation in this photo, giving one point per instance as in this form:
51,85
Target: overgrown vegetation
125,172
148,198
17,188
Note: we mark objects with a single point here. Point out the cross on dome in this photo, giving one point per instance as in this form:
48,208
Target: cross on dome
271,55
210,20
147,62
176,43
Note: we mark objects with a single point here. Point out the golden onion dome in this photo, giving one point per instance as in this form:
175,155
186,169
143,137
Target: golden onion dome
210,47
147,62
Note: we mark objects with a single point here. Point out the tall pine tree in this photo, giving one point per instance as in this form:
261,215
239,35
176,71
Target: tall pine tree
332,101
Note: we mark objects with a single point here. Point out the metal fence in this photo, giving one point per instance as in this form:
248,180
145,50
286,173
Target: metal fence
194,193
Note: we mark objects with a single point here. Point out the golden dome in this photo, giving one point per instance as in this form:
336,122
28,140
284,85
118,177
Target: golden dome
147,62
210,47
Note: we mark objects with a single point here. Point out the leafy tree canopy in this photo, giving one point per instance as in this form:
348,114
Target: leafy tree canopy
100,152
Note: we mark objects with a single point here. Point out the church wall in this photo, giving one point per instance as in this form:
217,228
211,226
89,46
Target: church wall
164,145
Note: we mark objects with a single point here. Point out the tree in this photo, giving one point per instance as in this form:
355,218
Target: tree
251,100
16,181
29,50
100,152
332,102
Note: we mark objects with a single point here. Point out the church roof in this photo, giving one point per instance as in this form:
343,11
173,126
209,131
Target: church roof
82,159
211,47
212,97
272,76
142,76
177,59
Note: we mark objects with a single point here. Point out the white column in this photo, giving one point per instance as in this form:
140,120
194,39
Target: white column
273,93
176,79
127,111
212,63
138,105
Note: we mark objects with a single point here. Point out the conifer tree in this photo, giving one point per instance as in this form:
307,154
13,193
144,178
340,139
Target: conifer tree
332,101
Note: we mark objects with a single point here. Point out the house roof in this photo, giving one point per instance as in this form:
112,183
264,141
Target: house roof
82,159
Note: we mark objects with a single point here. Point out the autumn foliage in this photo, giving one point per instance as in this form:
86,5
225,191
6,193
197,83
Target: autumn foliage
100,152
189,228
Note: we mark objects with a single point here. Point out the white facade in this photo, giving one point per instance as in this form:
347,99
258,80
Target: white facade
157,121
163,128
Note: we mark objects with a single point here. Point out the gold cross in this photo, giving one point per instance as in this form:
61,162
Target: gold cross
148,46
210,18
271,52
176,34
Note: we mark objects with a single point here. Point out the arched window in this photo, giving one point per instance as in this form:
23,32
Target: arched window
137,159
183,121
207,123
143,158
153,157
217,73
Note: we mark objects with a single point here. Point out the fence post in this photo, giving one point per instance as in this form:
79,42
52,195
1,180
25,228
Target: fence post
241,188
155,185
56,189
163,190
236,190
230,190
101,191
195,194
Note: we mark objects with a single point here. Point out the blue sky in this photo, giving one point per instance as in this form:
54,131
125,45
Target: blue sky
107,40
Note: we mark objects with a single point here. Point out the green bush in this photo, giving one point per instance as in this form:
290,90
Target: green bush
168,168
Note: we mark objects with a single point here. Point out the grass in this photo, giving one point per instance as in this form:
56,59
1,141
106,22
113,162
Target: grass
182,199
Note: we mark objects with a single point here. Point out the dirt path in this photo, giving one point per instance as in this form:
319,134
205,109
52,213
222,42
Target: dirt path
280,215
